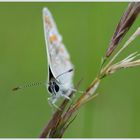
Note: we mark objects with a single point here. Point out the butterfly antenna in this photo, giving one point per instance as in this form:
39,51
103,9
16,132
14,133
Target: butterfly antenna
27,86
70,70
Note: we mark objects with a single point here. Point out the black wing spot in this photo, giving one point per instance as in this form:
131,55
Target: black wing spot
49,89
56,87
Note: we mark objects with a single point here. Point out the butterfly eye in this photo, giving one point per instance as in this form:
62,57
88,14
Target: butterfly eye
56,88
49,89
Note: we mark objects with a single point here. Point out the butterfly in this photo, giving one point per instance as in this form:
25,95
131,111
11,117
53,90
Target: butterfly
60,68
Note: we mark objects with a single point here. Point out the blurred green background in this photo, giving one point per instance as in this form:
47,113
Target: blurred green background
87,29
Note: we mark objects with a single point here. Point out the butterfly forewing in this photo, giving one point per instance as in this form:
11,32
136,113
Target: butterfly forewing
58,56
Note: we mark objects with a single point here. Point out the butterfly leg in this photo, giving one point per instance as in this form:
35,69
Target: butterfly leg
67,97
63,94
52,101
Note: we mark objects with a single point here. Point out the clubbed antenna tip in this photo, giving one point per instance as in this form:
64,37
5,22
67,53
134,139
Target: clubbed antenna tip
70,70
16,88
28,85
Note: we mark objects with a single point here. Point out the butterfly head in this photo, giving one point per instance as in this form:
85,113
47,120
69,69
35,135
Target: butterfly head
53,87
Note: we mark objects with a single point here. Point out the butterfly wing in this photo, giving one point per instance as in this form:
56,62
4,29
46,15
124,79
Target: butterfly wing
58,57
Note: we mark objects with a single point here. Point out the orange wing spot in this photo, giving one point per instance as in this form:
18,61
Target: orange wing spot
53,38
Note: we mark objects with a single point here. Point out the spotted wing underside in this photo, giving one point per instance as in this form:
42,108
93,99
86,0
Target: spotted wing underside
58,57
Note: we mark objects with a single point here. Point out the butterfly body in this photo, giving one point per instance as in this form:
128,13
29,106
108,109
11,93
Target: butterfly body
60,68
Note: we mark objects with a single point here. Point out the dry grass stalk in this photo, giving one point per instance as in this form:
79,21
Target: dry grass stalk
124,25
